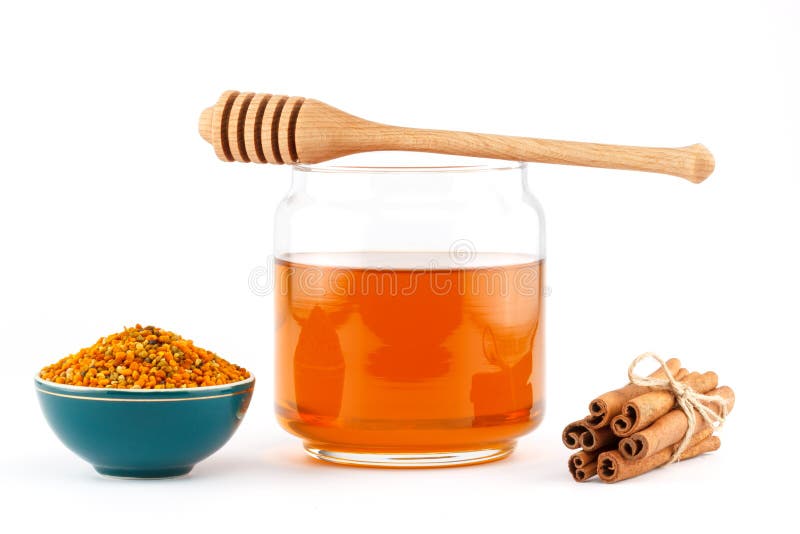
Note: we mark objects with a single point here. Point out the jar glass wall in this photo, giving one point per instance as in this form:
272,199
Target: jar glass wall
408,306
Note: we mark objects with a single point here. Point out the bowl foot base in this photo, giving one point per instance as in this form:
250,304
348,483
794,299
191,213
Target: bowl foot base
410,460
170,472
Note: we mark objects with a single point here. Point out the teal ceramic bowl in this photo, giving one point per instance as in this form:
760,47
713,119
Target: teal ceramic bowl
144,433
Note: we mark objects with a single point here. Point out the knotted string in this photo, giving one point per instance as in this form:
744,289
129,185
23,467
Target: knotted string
689,400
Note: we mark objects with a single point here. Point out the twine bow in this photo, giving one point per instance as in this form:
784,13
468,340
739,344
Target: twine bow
690,401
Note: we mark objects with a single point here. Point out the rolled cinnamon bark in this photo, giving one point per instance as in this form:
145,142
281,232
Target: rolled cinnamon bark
669,429
583,473
583,464
612,467
609,404
681,374
571,436
597,438
641,411
581,458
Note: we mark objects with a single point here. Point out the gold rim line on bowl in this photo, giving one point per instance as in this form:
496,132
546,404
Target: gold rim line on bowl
77,389
182,399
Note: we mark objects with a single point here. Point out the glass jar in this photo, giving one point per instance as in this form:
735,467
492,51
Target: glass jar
408,309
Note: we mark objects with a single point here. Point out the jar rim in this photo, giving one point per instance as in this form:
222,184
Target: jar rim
481,165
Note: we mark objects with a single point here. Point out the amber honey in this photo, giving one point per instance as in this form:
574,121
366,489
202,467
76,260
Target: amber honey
409,353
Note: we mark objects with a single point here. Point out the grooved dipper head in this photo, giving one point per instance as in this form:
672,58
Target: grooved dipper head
204,125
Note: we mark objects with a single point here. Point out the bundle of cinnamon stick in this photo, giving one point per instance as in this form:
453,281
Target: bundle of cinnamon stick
634,429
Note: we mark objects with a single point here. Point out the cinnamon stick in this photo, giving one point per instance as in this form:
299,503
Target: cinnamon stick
669,429
609,404
681,374
585,472
643,410
571,436
612,467
596,438
583,464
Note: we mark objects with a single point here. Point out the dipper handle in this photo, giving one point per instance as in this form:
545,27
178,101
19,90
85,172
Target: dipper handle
265,128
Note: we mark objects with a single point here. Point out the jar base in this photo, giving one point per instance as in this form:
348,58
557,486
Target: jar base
410,460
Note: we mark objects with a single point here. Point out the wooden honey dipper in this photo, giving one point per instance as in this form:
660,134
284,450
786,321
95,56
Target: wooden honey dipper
265,128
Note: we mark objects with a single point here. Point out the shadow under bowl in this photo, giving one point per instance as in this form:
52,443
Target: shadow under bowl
144,433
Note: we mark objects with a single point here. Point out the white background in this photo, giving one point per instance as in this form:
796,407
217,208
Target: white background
114,211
